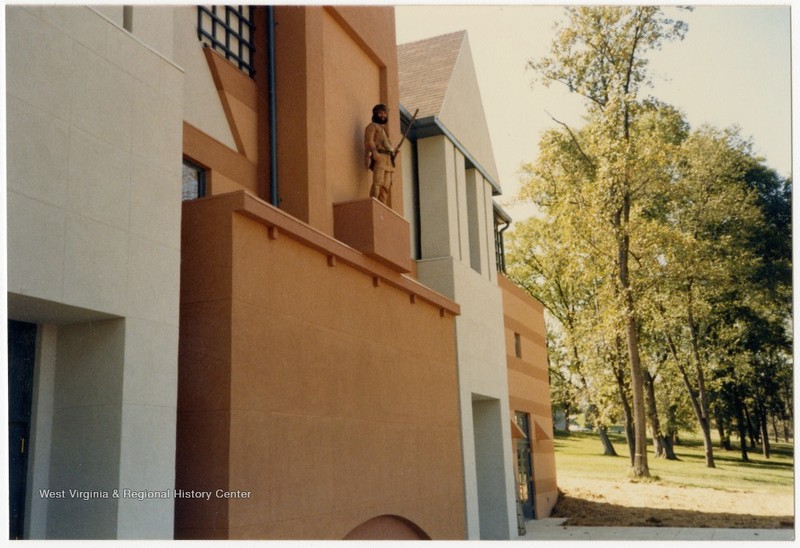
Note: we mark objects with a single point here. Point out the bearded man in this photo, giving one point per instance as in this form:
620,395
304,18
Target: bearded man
379,154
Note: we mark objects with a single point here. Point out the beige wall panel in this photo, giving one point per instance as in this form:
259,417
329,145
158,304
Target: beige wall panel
95,265
48,87
201,105
154,25
81,91
94,192
410,213
437,198
37,154
462,112
35,241
86,428
154,195
152,114
112,12
101,98
129,53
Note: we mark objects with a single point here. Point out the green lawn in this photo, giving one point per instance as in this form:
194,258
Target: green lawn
580,455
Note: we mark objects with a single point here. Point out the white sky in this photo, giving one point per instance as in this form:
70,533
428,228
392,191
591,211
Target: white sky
733,67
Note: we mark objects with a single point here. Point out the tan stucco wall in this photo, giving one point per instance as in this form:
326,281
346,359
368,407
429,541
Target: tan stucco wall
322,382
333,65
529,387
317,378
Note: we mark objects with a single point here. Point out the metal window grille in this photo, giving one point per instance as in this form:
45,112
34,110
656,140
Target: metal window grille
229,30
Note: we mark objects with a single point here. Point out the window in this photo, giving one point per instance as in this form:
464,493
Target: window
517,345
194,181
229,30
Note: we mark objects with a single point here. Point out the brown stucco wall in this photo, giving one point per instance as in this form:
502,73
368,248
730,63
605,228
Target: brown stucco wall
319,380
529,387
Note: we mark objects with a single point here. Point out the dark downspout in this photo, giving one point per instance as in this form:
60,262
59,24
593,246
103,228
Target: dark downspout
273,115
502,257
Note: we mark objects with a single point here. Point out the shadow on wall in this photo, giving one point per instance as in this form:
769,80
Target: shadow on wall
387,528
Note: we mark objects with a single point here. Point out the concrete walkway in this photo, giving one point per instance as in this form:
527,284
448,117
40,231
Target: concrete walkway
551,529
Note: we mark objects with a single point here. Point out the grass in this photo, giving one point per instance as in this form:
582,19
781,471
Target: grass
581,455
599,490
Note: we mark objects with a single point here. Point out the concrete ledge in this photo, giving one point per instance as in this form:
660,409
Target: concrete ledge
375,230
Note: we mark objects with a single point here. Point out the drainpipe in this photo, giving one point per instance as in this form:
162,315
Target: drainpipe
273,115
502,216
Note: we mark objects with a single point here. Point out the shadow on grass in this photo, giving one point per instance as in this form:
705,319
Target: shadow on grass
582,512
724,457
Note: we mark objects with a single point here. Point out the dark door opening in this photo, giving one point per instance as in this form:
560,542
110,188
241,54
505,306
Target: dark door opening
21,358
525,467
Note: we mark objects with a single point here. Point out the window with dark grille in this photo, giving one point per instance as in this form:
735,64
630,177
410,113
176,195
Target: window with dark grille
229,30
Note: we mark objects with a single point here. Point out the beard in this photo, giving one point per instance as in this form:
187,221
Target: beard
378,120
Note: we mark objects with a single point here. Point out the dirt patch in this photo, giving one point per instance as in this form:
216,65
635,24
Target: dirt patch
654,504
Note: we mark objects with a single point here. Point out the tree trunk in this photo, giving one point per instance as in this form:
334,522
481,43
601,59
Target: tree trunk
659,443
750,428
724,437
741,427
621,219
701,384
775,427
693,397
608,449
669,448
764,434
626,411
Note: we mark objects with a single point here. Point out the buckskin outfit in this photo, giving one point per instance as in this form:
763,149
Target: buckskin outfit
378,152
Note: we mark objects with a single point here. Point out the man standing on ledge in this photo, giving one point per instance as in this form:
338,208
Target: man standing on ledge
379,153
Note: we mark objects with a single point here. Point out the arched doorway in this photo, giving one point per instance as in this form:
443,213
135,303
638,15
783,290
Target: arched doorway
387,527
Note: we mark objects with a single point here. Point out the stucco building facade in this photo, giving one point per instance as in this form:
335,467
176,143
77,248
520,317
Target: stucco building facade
454,180
261,331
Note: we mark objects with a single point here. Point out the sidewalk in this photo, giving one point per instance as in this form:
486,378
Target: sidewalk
551,529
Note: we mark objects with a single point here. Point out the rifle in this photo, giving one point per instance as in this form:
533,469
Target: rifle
408,129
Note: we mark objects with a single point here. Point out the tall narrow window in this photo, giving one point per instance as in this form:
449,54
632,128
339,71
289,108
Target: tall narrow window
194,181
517,345
229,30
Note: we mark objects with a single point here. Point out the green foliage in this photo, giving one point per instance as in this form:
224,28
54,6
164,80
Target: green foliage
657,246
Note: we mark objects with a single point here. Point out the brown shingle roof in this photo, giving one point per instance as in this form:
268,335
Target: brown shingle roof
425,68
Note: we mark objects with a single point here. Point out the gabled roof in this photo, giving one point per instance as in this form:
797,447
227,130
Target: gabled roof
425,69
437,76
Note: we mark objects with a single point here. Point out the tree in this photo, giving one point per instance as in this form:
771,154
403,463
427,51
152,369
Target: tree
600,54
705,262
542,260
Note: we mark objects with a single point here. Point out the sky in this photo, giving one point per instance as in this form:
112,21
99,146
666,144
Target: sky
732,68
